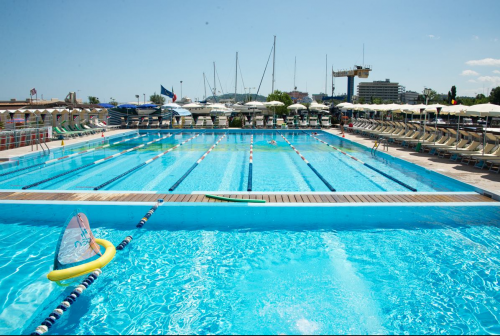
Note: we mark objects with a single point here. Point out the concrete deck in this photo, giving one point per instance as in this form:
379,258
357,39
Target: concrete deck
6,155
483,179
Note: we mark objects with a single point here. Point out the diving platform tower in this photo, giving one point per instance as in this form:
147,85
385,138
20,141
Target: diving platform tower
360,71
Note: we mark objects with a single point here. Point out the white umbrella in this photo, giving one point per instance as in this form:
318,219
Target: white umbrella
484,110
297,107
345,105
274,103
458,110
317,106
171,105
255,104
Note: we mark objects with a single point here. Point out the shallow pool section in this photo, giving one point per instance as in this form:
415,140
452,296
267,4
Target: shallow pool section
309,166
409,270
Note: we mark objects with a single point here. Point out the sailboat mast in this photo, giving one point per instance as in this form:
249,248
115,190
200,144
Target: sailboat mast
274,62
294,73
326,73
215,89
236,80
205,86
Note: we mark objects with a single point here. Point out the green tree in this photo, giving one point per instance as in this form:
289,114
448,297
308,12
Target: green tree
157,99
361,100
495,96
282,97
93,100
453,93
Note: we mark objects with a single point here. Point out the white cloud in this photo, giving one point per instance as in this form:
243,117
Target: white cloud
475,37
469,73
491,79
496,72
433,37
485,61
472,81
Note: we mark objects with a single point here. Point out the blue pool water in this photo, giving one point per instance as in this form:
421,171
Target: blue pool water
432,273
226,168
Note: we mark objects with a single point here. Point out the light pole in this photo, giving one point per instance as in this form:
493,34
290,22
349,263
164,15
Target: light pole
137,96
144,98
181,90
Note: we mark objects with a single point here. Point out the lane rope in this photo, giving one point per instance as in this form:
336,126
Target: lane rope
365,164
329,186
94,163
176,184
250,166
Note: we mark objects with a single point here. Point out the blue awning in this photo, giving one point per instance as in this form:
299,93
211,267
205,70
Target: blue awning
127,106
147,105
106,105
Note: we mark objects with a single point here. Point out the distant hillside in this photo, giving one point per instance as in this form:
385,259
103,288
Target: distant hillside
242,97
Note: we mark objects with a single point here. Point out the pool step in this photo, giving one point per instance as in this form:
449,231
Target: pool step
270,198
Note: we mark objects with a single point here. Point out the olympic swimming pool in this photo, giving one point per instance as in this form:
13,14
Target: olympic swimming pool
275,167
218,268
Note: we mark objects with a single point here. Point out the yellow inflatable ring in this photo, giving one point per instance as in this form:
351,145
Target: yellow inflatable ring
90,267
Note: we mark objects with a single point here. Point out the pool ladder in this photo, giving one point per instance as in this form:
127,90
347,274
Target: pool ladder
383,142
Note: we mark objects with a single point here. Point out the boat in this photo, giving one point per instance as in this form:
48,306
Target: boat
136,110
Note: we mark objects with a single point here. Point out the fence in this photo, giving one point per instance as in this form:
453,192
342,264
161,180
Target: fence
33,137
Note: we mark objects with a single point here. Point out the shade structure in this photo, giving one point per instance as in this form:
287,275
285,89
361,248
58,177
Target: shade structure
484,110
255,104
274,103
106,105
127,106
319,107
297,107
454,109
433,108
345,105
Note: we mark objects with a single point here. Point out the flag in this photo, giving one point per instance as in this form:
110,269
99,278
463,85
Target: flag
453,102
33,92
167,93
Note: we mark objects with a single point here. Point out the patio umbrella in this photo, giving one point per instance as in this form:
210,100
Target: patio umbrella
484,110
457,110
434,108
274,103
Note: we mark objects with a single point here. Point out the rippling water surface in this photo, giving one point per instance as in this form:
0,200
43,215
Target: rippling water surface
432,279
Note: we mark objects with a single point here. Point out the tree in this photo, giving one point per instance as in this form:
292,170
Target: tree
453,93
157,99
495,96
93,100
361,100
282,97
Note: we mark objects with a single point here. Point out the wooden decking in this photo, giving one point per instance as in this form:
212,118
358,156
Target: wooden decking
281,198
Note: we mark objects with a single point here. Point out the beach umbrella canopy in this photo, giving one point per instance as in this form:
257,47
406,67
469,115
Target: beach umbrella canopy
316,106
127,106
483,110
433,108
454,109
274,103
255,104
345,105
106,105
297,107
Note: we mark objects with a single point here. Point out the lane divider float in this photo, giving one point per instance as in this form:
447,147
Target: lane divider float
250,166
142,164
364,163
95,162
329,186
176,184
70,156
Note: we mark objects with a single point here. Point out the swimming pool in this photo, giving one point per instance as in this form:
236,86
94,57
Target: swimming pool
275,167
405,271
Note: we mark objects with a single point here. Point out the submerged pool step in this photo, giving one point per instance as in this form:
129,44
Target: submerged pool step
269,198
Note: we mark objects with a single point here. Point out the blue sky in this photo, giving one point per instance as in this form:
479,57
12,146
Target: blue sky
120,48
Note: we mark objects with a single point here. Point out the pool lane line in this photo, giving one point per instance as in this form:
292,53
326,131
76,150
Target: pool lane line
78,290
309,165
143,164
250,166
70,156
366,164
94,163
176,184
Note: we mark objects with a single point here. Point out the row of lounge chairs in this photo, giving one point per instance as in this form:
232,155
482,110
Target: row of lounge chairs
77,130
290,122
186,122
463,146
